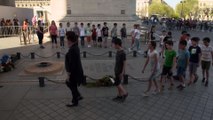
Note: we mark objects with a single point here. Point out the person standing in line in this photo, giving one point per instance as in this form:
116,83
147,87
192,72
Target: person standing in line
206,59
82,34
99,35
53,34
123,32
114,33
89,34
40,34
61,33
120,67
182,63
169,65
94,36
132,35
194,60
153,58
75,74
76,30
136,37
68,27
105,33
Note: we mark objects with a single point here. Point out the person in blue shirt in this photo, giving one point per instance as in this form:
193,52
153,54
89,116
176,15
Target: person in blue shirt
182,63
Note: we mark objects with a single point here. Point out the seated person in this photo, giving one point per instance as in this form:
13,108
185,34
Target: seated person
6,62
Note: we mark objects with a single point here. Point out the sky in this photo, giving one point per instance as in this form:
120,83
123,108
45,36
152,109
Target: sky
172,3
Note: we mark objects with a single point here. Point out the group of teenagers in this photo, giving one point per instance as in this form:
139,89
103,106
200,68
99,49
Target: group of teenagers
96,36
190,55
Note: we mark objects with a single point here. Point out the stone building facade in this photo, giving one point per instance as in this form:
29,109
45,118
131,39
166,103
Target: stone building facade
206,9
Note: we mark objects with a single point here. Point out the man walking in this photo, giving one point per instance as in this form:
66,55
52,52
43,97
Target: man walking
74,68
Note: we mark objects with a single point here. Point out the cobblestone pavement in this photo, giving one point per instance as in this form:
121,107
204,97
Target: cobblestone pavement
21,98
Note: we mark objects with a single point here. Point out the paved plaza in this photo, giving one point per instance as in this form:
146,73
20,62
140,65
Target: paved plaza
21,98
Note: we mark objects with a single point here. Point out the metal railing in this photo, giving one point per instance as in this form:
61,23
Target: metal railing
26,36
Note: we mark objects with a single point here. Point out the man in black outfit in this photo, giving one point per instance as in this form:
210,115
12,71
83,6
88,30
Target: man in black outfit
74,68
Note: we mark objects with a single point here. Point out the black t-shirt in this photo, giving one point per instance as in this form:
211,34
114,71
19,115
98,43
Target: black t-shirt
194,54
105,31
123,32
120,59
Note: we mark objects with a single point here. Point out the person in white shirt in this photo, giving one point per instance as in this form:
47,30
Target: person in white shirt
68,27
82,34
61,33
136,37
153,58
99,35
206,59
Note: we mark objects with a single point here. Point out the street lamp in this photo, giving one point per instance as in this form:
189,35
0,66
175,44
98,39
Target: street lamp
182,2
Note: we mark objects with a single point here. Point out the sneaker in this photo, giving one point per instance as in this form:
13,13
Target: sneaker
124,97
117,98
72,105
145,94
203,81
206,84
181,87
42,47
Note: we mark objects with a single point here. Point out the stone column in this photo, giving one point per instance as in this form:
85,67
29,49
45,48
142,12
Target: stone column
58,9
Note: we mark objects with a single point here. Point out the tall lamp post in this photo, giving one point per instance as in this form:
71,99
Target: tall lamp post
182,2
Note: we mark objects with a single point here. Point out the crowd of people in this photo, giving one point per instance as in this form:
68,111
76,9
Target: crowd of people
9,27
92,35
182,24
190,55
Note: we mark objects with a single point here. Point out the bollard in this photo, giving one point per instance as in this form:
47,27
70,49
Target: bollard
125,81
41,81
110,53
134,53
58,55
32,55
84,54
84,81
18,54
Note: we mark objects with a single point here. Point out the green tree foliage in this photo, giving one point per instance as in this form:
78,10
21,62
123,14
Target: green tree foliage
161,9
187,8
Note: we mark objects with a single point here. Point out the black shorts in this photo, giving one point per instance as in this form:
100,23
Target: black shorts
99,39
117,80
167,71
205,65
94,38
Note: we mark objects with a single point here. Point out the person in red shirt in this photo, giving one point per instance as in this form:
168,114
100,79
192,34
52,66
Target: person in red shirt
53,33
94,36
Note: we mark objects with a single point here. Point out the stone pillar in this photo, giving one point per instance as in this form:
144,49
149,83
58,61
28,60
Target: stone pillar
58,9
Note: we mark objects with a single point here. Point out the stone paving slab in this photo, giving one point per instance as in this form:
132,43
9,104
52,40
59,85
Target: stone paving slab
49,103
21,98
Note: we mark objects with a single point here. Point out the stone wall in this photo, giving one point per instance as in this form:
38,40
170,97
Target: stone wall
102,7
11,12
